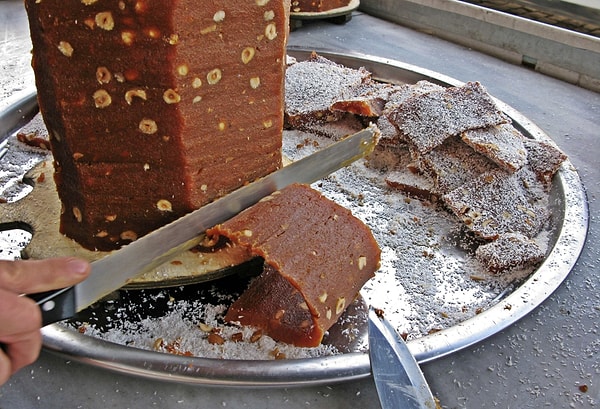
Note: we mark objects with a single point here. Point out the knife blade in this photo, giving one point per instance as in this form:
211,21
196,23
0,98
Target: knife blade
398,377
150,251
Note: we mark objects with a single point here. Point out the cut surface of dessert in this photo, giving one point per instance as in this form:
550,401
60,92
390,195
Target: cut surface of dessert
317,257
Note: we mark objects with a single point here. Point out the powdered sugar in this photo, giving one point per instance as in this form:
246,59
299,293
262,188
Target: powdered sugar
183,331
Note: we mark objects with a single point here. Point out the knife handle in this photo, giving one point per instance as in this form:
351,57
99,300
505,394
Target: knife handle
56,305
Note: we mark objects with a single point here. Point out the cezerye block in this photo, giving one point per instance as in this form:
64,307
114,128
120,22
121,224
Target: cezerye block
155,108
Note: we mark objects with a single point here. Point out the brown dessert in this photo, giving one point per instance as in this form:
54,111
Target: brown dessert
317,257
452,164
544,159
390,134
496,203
313,85
156,108
348,124
437,142
367,100
412,184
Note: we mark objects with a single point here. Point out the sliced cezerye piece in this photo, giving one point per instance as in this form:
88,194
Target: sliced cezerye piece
317,257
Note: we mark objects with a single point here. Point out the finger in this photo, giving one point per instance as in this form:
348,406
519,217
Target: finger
20,335
5,367
34,276
17,315
22,349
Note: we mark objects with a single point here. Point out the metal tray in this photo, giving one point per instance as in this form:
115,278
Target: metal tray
340,11
570,212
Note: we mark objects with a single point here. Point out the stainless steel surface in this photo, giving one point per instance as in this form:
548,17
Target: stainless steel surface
340,11
398,378
548,358
568,235
564,54
23,106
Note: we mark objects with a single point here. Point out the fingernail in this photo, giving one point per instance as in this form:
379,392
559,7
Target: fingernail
77,266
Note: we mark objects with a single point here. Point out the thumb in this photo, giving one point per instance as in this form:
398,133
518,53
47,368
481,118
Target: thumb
34,276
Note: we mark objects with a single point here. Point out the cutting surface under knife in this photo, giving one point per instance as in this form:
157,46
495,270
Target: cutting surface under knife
398,377
113,271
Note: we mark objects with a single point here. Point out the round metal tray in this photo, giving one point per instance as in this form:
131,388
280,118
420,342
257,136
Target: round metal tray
569,210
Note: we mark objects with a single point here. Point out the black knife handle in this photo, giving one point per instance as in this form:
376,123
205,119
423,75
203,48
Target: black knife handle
56,305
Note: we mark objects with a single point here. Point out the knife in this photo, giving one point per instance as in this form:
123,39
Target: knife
150,251
398,378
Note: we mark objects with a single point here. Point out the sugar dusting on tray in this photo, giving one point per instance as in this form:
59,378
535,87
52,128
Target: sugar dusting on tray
194,328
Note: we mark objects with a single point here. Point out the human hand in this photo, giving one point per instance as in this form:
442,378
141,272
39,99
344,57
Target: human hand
20,317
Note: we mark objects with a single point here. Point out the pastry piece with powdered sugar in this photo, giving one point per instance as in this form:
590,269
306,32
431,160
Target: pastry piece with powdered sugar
544,159
452,164
428,119
503,144
401,173
367,100
348,124
508,251
413,184
495,203
389,132
313,85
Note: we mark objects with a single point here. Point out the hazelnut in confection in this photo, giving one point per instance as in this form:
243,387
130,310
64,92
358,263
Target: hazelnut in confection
155,108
